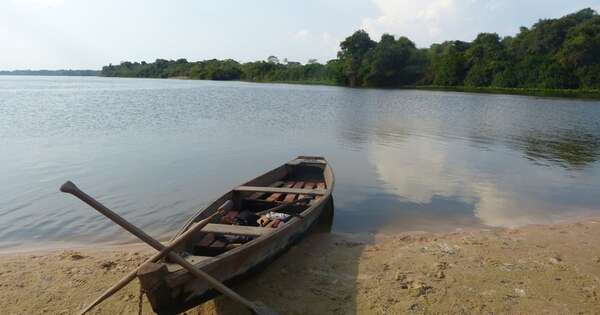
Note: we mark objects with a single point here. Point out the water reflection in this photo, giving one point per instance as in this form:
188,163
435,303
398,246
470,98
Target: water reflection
497,185
354,122
456,159
156,150
570,148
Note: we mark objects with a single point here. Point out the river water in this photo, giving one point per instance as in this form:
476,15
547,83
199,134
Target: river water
156,150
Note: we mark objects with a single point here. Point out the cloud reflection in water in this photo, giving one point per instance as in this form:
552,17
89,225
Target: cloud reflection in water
501,186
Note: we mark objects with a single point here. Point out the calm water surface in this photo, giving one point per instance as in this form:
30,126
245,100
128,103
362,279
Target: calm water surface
156,150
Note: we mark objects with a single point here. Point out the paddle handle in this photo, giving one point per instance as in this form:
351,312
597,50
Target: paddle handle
70,188
227,206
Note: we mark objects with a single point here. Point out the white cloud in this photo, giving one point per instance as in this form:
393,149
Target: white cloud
316,43
302,34
423,21
432,21
330,43
41,3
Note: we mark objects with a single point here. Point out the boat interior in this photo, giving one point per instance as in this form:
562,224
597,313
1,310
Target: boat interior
260,206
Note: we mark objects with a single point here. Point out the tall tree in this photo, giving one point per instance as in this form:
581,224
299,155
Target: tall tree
485,57
553,53
447,65
389,63
353,50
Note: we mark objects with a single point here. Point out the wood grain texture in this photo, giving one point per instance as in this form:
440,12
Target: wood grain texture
290,190
276,195
291,197
235,229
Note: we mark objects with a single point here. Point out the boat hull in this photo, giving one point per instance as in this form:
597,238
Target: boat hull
173,290
181,303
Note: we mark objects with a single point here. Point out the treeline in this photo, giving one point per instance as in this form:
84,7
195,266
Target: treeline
553,54
559,53
85,73
264,71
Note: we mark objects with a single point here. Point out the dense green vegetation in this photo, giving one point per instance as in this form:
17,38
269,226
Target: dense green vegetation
265,71
52,72
553,54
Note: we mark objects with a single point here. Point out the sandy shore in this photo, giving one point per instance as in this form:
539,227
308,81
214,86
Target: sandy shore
535,269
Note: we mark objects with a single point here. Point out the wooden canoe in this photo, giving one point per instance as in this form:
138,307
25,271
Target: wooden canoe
229,248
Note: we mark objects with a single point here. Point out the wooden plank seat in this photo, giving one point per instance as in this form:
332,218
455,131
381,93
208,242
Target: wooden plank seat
283,190
235,229
277,195
307,185
258,195
291,197
270,203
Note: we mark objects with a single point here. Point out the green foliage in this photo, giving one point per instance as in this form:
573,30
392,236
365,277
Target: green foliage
270,71
160,68
353,51
264,71
216,70
447,65
392,63
561,53
484,58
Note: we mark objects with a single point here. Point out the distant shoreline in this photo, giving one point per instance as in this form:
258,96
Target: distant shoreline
62,72
561,93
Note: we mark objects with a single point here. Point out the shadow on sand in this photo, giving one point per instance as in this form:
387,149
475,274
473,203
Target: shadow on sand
316,276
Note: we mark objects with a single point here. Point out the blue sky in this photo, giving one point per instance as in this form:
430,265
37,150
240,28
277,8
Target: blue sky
53,34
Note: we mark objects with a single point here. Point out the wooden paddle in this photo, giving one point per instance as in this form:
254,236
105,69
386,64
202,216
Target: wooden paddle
224,208
255,307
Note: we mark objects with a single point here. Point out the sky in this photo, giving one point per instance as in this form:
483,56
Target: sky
87,34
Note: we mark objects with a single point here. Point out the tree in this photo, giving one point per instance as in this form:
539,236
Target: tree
392,63
447,65
353,50
485,57
580,53
553,53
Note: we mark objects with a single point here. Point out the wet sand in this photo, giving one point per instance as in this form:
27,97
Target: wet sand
534,269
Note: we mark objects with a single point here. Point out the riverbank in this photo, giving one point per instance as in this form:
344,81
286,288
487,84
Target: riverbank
533,269
563,93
